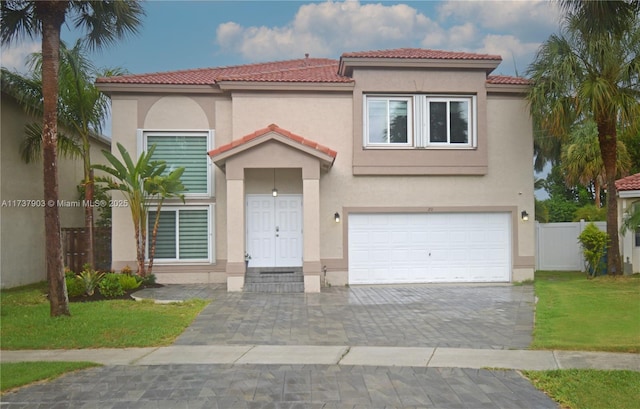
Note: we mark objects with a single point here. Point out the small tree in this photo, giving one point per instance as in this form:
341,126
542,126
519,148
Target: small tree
594,243
144,184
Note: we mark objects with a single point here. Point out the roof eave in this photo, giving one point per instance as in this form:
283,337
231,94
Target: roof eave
285,86
626,194
507,88
347,64
117,87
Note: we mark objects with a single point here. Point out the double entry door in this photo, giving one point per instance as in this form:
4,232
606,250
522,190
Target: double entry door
274,230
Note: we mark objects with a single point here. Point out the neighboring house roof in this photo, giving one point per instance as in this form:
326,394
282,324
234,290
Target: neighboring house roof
273,132
631,182
311,70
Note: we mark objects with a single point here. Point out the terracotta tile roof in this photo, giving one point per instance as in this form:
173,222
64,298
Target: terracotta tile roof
507,80
307,70
273,128
631,182
300,70
421,53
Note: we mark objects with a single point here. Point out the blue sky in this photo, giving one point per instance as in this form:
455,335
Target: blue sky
195,34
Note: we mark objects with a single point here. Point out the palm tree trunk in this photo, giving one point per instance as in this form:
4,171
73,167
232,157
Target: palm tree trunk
140,247
596,188
608,144
52,16
88,209
154,235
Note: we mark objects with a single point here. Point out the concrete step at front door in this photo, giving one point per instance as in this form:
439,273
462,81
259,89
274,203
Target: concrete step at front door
274,280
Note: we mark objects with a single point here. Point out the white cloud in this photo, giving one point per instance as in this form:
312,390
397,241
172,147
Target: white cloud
525,19
512,29
327,30
516,54
14,57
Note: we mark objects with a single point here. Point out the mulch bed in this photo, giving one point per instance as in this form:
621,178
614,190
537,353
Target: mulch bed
99,297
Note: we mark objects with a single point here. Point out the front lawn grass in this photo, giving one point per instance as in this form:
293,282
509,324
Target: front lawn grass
15,374
25,322
589,388
575,313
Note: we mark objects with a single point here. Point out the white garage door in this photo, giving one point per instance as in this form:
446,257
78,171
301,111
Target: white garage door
429,247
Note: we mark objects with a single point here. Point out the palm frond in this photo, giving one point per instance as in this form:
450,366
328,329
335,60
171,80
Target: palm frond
31,145
106,21
17,21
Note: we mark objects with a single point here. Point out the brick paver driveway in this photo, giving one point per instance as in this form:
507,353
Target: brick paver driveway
457,316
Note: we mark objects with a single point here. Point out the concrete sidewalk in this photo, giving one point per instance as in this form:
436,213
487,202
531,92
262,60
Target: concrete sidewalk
337,355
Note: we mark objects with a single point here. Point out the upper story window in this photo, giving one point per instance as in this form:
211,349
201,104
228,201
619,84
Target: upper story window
449,121
388,121
186,149
420,121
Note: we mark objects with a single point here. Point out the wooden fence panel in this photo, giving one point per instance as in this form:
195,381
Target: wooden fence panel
74,243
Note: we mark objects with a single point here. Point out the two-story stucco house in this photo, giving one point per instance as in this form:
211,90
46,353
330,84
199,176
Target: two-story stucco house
382,167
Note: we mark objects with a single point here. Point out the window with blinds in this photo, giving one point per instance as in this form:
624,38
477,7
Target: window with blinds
188,150
183,234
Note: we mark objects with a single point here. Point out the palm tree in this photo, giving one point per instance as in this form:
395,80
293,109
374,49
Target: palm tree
82,109
581,161
591,70
142,183
104,22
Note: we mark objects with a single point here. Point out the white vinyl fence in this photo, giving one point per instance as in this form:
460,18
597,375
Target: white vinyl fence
557,246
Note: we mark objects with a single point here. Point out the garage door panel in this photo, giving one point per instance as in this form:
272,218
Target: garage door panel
429,247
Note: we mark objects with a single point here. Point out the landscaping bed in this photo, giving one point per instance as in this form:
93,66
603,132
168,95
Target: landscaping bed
97,296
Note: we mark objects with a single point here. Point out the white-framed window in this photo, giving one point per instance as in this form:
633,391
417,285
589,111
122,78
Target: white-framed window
449,121
420,121
388,121
186,149
184,234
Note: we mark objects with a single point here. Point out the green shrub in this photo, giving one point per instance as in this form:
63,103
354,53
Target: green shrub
68,273
128,282
90,280
110,286
594,243
590,213
149,280
75,287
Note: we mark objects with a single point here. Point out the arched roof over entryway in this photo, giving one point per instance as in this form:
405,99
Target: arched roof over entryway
273,147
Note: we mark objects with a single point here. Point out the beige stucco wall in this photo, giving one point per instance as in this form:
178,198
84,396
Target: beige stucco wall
22,238
508,184
180,112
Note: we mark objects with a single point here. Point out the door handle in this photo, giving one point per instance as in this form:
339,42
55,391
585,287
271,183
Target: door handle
277,228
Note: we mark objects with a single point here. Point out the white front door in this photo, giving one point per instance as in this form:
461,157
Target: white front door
274,230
